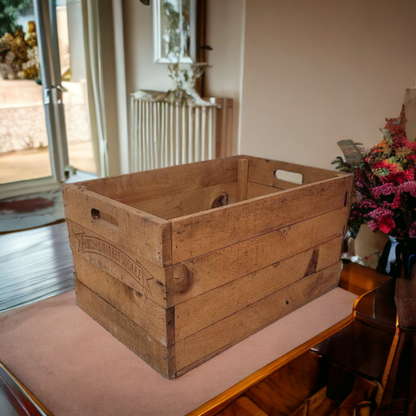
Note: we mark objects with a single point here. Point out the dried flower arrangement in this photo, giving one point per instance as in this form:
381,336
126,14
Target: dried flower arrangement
385,183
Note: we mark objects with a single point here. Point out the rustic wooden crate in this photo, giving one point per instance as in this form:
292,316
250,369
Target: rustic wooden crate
178,281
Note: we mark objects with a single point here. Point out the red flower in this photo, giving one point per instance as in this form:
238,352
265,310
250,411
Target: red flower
400,177
386,225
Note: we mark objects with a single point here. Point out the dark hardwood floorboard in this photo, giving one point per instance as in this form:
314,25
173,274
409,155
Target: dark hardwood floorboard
34,265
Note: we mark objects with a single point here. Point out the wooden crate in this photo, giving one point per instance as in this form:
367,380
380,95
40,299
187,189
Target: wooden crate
178,281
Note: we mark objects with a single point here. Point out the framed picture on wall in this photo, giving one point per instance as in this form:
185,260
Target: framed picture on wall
174,31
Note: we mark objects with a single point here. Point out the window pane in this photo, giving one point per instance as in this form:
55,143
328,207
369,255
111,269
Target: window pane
24,152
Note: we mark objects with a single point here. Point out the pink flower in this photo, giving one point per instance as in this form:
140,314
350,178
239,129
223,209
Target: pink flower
386,189
380,213
409,187
412,230
372,225
367,203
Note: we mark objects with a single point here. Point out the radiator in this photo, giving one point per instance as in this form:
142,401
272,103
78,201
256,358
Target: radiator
167,134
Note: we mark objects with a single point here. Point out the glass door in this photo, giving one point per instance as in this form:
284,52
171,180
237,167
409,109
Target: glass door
33,144
24,147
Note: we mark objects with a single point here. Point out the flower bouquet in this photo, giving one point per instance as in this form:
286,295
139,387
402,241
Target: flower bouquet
385,183
385,190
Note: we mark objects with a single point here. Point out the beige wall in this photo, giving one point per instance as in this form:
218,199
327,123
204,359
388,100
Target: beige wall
318,72
225,34
141,72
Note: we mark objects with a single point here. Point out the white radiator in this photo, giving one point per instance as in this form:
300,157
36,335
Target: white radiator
167,134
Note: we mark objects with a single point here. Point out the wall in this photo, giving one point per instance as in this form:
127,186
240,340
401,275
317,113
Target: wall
318,72
141,72
225,34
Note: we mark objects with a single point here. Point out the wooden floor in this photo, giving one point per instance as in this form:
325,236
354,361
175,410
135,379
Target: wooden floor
34,265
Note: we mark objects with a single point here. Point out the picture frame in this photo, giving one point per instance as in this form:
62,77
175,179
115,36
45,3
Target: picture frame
175,31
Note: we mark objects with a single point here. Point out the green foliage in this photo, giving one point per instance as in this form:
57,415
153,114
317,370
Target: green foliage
9,13
341,165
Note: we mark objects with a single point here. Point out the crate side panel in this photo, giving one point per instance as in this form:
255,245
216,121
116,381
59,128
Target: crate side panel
196,276
123,226
202,233
158,356
212,306
188,202
256,189
141,275
142,186
205,344
262,171
152,318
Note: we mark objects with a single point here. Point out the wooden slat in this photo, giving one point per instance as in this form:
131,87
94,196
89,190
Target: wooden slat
134,271
256,189
131,335
126,227
202,233
188,202
204,273
152,318
163,182
262,171
212,340
212,306
242,179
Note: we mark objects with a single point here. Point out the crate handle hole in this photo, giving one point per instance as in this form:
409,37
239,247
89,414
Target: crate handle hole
220,201
103,218
287,176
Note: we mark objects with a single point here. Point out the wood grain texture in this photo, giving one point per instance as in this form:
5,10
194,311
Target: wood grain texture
188,202
212,306
202,233
134,271
285,390
130,334
251,319
255,189
142,186
242,180
262,171
152,318
234,409
204,273
161,252
120,224
245,403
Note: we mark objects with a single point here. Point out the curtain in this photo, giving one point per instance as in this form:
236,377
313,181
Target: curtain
94,75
